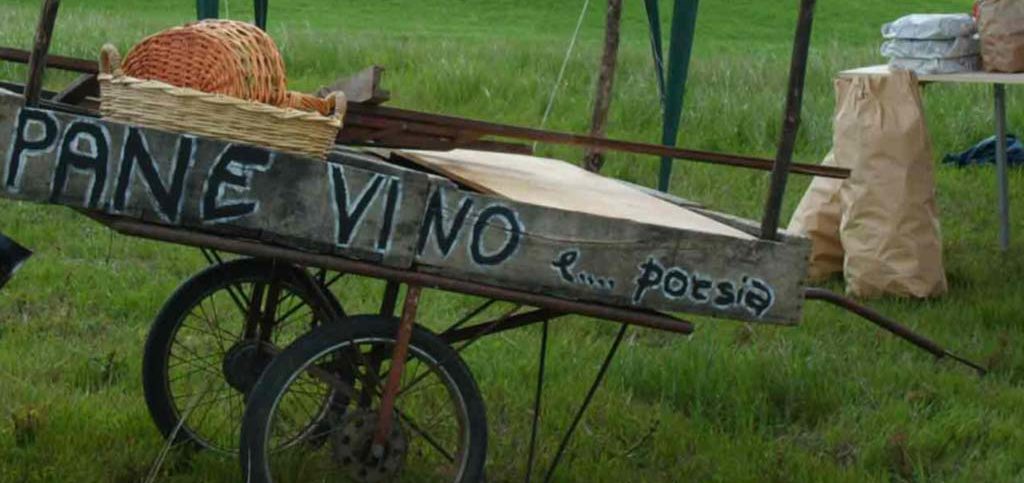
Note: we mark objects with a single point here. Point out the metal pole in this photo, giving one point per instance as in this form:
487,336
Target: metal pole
261,7
791,123
207,9
684,25
398,358
1001,168
893,327
40,48
654,26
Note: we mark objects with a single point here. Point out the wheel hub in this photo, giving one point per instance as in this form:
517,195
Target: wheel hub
243,364
353,448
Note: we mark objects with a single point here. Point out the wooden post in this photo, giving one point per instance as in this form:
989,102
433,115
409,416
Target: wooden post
594,159
37,59
790,122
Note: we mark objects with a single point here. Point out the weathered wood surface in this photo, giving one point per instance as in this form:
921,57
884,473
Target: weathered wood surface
391,215
557,184
363,87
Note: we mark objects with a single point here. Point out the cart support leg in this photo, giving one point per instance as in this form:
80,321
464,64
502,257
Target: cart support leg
890,325
390,301
398,357
537,401
586,403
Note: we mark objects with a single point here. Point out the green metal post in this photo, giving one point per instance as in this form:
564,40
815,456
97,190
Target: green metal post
207,9
684,24
260,7
654,22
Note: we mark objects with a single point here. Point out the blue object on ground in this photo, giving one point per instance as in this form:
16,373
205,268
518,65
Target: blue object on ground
12,255
985,153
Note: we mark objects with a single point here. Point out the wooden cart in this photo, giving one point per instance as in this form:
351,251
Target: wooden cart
328,392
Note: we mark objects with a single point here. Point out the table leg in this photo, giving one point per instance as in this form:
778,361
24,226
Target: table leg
1001,167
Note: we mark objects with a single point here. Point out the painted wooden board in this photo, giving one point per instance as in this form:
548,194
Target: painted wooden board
557,184
358,208
210,185
980,77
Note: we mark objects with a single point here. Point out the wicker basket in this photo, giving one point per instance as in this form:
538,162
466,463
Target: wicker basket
159,105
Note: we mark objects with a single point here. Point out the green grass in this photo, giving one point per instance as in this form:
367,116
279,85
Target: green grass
832,400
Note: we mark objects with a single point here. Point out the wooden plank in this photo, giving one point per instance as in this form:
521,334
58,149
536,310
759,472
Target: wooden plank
584,257
979,77
557,184
208,184
363,87
359,208
82,88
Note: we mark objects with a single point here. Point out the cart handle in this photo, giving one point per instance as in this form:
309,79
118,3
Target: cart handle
890,325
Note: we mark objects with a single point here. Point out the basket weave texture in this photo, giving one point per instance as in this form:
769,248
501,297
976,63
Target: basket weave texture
159,104
227,57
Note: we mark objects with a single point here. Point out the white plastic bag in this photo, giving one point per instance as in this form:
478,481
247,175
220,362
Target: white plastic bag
927,26
931,49
937,66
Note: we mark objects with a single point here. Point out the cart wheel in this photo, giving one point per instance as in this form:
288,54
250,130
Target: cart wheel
439,431
212,339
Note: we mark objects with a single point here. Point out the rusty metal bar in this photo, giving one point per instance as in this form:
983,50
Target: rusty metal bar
504,130
40,48
500,325
791,122
888,324
71,64
399,354
649,319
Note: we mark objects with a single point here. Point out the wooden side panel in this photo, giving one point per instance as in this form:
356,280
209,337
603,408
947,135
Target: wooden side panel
211,185
609,261
394,216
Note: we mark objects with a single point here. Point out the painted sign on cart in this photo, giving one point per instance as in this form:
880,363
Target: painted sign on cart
361,207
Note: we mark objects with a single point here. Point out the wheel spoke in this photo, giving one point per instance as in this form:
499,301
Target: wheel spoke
426,436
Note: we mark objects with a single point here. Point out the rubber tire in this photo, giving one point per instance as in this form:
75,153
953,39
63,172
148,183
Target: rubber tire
267,391
165,327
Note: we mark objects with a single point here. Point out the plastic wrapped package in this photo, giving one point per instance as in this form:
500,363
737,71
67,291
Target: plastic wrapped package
937,66
927,26
931,49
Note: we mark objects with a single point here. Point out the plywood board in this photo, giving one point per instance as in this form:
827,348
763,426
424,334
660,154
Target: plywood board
557,184
979,77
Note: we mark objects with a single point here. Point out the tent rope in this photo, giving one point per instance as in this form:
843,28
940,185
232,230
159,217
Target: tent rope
565,64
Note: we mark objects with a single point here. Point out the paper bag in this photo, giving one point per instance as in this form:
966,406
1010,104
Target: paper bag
818,215
889,228
1001,24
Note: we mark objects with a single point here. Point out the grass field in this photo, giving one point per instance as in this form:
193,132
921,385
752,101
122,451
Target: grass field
832,400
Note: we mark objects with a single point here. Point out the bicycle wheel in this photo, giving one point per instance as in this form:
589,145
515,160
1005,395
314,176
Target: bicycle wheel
439,431
212,339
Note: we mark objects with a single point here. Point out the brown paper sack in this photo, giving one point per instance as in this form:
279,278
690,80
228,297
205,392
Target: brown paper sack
1001,24
818,215
889,227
